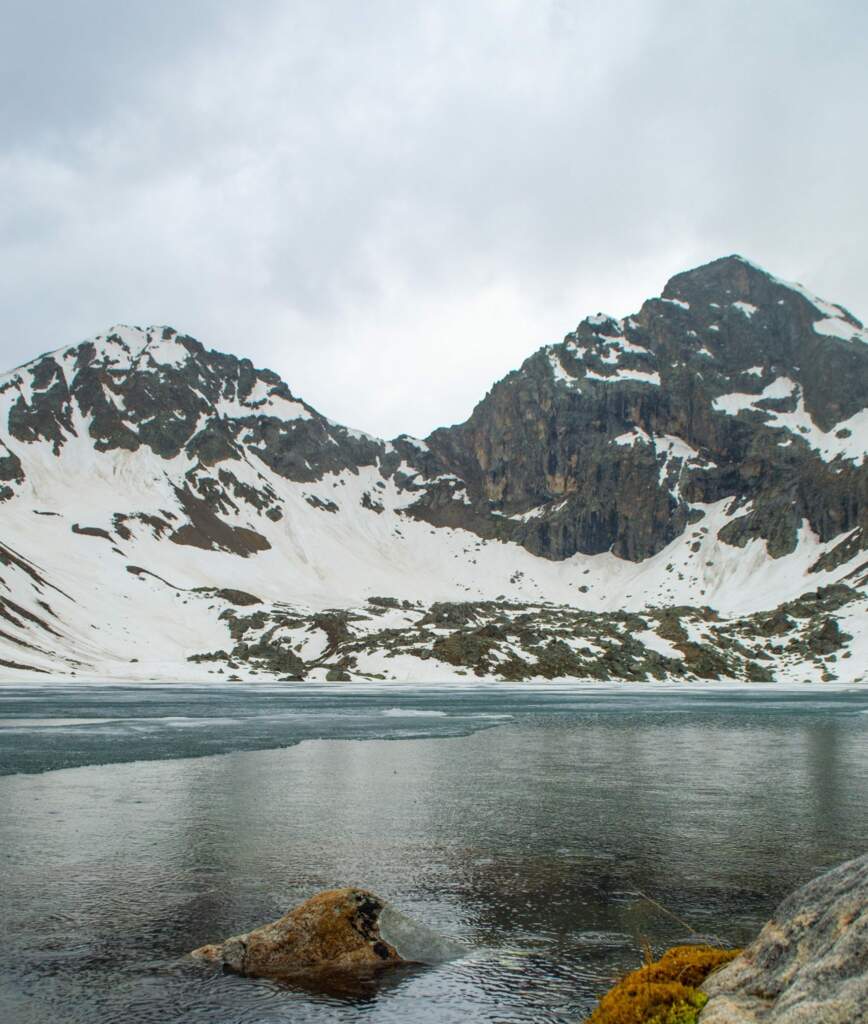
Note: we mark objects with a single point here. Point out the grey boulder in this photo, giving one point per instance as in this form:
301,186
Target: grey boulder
809,964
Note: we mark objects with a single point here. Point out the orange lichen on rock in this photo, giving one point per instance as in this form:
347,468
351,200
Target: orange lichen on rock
336,930
664,991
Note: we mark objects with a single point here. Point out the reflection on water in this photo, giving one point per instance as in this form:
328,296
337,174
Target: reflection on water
535,841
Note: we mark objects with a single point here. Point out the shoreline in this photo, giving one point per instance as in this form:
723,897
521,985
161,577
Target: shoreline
541,685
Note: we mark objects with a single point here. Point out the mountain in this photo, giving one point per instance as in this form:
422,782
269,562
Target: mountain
678,494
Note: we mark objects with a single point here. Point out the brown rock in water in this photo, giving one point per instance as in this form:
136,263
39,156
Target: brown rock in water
809,964
339,930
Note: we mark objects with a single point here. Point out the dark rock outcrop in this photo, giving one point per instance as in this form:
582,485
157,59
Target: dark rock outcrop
603,442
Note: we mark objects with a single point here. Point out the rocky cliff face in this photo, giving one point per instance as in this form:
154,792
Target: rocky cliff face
730,385
704,455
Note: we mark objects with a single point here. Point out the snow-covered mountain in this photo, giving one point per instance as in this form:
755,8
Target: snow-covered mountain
681,493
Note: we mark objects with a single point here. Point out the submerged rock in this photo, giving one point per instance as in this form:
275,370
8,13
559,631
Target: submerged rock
340,930
809,964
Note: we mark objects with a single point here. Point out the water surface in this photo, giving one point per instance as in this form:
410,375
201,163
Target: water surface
546,828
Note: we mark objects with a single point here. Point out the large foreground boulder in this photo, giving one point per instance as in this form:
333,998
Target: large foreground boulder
809,964
341,930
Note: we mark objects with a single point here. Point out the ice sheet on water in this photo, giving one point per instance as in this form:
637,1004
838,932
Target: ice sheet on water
410,712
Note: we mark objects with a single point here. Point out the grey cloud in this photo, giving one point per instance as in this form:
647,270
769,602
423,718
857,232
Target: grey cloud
393,203
63,66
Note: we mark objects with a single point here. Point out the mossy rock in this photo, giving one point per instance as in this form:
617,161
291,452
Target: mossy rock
665,991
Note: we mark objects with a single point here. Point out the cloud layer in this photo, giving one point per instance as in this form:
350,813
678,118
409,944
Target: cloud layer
392,203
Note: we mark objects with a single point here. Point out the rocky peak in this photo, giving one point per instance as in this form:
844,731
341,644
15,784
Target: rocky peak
730,277
123,347
734,281
732,383
202,412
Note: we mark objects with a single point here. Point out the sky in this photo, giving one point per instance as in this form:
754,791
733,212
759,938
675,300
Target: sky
393,203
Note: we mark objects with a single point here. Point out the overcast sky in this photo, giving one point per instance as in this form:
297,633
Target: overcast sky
393,203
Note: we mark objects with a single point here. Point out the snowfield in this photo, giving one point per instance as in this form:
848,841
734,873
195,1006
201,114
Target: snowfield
104,621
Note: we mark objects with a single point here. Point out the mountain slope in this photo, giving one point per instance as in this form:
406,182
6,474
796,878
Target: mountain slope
637,501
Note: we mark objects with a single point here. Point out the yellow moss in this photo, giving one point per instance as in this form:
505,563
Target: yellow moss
689,965
664,991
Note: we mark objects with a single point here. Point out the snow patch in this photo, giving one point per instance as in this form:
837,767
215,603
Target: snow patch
748,308
834,327
415,442
633,437
275,405
640,376
847,439
559,373
734,403
656,643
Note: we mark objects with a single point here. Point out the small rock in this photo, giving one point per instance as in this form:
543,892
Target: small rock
340,930
809,964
